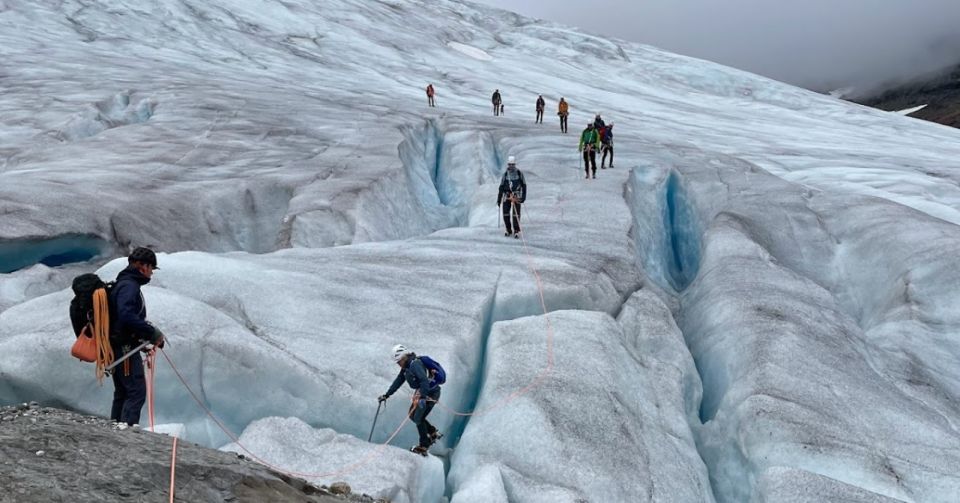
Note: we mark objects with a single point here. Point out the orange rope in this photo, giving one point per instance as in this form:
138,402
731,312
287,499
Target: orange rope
535,383
543,374
348,469
101,331
173,467
150,363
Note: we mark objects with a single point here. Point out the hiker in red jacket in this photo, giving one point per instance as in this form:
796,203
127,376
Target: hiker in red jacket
430,95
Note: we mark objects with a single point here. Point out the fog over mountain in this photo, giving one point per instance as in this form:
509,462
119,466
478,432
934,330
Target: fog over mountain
817,44
755,302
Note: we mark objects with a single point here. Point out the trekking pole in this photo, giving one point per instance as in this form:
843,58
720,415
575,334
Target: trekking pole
120,360
374,421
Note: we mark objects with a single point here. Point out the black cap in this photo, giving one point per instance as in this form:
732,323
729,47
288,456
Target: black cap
143,255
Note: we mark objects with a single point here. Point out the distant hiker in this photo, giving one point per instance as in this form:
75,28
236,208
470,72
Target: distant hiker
598,121
129,330
497,102
501,109
606,145
430,93
512,194
425,376
563,110
589,144
540,105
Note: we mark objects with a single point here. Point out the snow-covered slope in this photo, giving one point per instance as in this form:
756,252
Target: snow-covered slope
756,304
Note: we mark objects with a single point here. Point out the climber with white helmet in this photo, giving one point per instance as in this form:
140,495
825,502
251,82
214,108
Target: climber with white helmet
513,193
424,375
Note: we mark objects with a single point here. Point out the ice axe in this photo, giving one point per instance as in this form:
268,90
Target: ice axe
369,437
123,358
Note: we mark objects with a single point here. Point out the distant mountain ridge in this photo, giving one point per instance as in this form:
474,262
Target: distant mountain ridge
941,94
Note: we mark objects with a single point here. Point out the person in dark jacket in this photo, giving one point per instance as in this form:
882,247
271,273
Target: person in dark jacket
598,122
414,373
606,146
540,106
512,194
497,102
430,93
128,330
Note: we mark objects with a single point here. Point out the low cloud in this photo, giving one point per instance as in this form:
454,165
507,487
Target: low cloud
819,44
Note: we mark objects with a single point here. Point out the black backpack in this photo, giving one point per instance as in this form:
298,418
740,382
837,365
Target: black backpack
81,307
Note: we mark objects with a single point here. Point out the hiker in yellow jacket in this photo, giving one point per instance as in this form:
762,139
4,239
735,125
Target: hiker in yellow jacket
563,110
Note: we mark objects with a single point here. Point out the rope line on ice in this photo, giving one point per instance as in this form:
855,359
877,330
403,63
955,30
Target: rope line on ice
542,375
536,382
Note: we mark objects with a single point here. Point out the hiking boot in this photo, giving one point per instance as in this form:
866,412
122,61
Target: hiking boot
507,234
603,167
419,449
436,435
516,236
594,175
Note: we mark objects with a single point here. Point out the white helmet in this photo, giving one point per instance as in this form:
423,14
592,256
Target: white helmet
511,160
398,352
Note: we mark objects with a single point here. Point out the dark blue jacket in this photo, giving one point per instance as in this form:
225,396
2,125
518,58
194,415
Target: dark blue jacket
129,311
518,187
415,373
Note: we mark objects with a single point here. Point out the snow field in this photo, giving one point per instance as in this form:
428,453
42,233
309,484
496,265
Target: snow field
316,213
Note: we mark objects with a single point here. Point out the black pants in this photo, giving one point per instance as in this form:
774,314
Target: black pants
418,414
507,221
129,388
607,149
430,100
563,123
539,116
496,109
590,159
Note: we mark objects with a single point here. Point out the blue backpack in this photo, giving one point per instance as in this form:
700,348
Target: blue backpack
438,376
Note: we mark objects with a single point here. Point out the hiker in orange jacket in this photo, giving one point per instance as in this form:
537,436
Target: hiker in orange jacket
563,112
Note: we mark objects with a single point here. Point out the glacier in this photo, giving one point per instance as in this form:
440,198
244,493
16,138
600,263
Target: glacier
757,303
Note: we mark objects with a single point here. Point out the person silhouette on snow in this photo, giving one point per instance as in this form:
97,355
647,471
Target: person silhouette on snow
540,106
589,144
512,194
129,330
430,93
598,122
606,145
497,102
427,393
563,110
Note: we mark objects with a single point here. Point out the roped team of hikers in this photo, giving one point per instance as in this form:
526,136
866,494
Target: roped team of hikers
597,136
122,303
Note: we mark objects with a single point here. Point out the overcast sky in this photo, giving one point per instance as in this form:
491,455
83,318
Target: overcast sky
813,43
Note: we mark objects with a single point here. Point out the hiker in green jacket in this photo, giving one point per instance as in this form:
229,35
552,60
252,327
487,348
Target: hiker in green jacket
589,144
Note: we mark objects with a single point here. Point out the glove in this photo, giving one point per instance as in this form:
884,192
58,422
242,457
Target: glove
382,398
157,339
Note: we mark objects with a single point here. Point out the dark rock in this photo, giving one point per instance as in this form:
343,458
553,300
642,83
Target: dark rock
87,459
940,91
340,488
